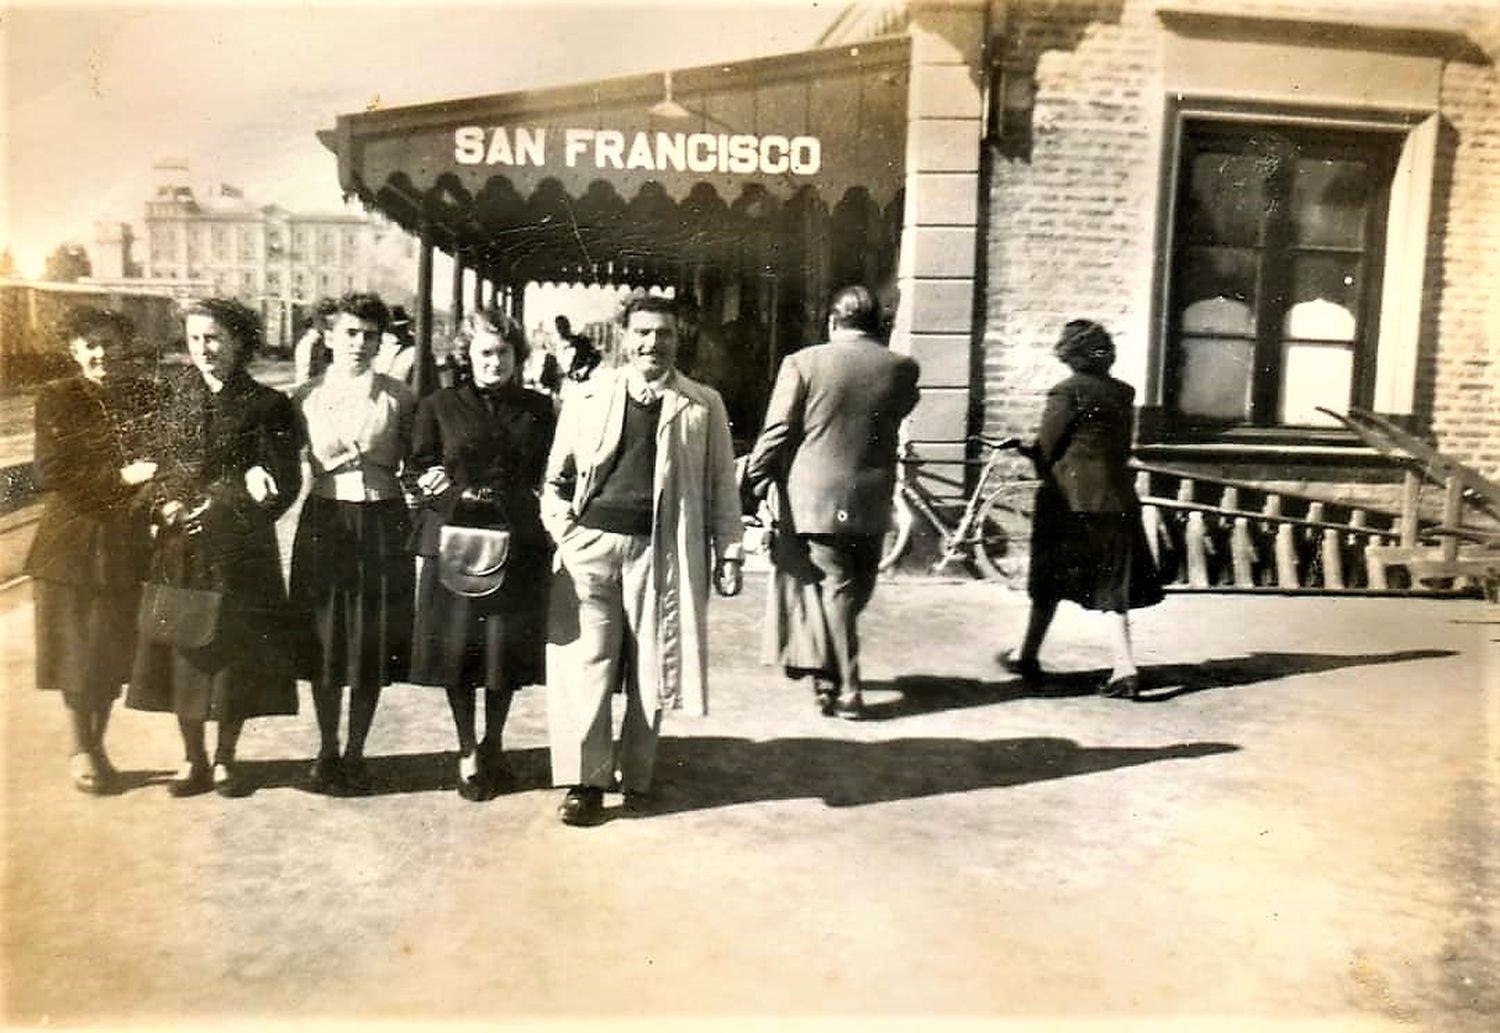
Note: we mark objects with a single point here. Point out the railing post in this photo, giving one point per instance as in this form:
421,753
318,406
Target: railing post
1150,517
1453,501
1310,556
1195,539
1411,489
1374,565
1241,549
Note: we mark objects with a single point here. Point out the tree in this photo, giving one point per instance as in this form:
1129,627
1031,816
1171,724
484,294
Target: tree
7,264
68,264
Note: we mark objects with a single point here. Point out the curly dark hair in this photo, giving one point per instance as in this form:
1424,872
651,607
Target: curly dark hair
237,319
360,305
97,326
1086,347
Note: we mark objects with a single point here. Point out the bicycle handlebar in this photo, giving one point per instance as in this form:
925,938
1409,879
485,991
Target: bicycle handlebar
999,444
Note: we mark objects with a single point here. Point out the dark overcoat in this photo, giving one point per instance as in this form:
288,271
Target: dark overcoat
207,443
495,440
1083,445
1087,543
91,541
93,530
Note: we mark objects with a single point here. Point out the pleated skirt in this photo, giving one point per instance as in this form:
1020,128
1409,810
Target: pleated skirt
352,588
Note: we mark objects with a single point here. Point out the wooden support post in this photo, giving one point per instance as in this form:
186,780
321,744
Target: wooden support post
479,275
424,313
1453,514
456,300
1411,490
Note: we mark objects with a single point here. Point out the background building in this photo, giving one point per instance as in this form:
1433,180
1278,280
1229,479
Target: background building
276,260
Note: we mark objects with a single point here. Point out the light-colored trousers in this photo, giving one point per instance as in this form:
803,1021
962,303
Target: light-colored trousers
605,582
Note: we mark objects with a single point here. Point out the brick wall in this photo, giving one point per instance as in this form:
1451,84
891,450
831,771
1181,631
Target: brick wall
1073,193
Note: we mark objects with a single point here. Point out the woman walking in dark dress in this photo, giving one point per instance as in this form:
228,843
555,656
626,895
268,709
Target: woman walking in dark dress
479,451
1087,542
90,547
352,576
229,467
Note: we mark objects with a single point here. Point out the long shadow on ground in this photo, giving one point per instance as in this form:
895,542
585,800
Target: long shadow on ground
720,771
925,694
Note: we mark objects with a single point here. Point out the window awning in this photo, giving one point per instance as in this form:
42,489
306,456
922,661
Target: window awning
544,184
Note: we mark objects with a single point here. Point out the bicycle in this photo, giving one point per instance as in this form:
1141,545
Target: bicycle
993,532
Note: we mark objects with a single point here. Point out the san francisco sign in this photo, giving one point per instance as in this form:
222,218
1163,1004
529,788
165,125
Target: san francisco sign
739,153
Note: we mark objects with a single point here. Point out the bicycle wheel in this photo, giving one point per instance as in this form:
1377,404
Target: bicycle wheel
897,535
1002,538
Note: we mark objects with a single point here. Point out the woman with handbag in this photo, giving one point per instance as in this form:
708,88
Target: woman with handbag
478,453
352,576
216,638
90,547
1087,542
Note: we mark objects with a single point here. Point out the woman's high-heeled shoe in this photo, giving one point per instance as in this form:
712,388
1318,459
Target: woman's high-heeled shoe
191,779
1028,670
1128,687
84,773
470,785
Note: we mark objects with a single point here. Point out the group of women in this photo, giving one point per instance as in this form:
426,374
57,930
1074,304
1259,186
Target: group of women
156,561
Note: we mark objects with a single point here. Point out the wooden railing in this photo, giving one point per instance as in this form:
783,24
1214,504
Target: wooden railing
1213,533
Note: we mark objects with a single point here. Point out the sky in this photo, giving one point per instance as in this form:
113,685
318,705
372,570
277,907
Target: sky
92,95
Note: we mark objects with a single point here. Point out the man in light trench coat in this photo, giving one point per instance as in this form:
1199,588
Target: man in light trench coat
640,497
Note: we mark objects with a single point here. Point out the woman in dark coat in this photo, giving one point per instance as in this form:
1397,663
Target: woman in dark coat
1087,542
229,467
352,576
90,547
478,454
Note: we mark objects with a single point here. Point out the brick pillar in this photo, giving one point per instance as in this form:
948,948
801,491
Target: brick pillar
937,266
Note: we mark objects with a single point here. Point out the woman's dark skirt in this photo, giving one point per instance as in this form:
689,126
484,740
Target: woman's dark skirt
352,588
85,640
1101,561
246,671
498,641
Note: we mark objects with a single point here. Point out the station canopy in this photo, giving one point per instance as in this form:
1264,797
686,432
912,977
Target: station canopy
742,165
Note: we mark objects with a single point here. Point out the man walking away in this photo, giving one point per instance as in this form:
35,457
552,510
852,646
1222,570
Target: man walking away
829,443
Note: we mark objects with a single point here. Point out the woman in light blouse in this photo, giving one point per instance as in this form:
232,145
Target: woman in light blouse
352,578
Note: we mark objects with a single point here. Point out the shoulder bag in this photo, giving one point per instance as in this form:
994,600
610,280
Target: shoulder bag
471,559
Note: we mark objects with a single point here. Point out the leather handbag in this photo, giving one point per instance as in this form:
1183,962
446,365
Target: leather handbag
184,618
471,560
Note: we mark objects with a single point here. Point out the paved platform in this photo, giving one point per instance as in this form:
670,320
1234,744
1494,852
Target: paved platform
1295,827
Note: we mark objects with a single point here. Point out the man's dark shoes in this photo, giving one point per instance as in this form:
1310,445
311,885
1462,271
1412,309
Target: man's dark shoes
584,805
850,707
637,804
1028,670
827,695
